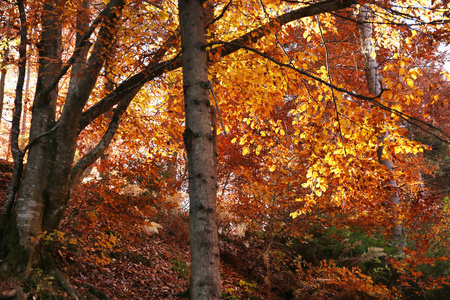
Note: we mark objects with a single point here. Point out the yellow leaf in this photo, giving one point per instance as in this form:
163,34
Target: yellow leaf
410,83
401,71
294,215
233,140
272,168
245,151
258,149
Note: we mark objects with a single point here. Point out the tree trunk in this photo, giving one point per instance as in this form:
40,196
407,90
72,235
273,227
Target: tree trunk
25,222
25,98
374,86
44,189
4,69
200,142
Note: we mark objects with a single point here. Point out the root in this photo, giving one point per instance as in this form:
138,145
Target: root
65,284
13,292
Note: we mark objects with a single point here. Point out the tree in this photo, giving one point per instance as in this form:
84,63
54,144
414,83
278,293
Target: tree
200,139
5,57
374,87
40,196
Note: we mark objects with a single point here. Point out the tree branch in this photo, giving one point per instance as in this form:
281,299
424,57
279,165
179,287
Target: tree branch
98,150
84,40
222,13
157,69
135,82
410,119
329,80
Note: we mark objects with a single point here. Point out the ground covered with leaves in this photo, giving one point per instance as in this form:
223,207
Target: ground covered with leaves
117,244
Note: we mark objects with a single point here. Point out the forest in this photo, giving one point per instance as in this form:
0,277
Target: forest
224,149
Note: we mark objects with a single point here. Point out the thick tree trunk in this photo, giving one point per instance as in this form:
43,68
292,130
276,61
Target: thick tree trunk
374,86
25,222
199,139
44,188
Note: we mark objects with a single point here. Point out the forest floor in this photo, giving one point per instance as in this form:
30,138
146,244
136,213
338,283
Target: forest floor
115,246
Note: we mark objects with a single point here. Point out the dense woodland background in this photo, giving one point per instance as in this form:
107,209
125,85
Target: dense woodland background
330,121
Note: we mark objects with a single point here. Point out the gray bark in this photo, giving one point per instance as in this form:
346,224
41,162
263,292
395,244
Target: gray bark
199,139
374,86
44,189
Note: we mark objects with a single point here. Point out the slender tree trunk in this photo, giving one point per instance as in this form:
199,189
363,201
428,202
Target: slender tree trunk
200,142
4,70
374,86
25,98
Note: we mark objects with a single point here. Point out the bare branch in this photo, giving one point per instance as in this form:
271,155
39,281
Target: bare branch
329,80
222,13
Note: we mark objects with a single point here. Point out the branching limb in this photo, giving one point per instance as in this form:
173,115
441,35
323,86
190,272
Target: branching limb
95,153
302,72
154,70
220,16
48,132
217,108
135,82
83,42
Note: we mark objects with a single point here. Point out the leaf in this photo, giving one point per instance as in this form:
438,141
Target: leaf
245,151
410,83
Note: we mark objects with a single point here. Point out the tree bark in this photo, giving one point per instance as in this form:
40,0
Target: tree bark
43,191
4,70
374,86
199,138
